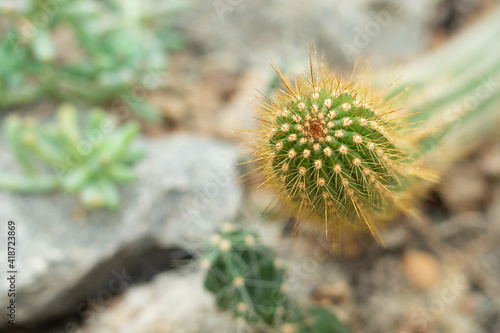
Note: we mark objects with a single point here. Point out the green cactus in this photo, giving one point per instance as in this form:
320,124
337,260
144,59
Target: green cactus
316,319
89,161
330,168
248,280
453,91
244,276
335,153
117,51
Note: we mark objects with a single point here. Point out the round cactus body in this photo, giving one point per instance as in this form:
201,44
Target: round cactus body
245,276
334,153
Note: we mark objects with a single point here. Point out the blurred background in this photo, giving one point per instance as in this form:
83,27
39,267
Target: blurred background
117,163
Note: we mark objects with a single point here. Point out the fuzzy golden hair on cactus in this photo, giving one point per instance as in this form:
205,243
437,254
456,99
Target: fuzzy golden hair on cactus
335,153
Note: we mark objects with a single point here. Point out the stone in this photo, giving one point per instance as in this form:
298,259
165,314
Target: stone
174,301
68,259
336,293
246,34
421,269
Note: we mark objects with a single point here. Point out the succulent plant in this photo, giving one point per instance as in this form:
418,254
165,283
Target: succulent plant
347,158
335,153
244,276
89,161
247,278
452,91
87,51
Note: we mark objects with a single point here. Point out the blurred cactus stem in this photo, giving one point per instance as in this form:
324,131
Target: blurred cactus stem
455,90
247,279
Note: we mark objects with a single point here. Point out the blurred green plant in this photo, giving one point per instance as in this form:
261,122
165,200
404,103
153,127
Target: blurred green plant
89,160
247,279
86,51
453,91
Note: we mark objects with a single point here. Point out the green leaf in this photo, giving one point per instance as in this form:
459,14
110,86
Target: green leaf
68,124
96,119
145,111
44,146
43,47
28,184
121,173
132,155
109,193
13,128
120,140
76,179
92,197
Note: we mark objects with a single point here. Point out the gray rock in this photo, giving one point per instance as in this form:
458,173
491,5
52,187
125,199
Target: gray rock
67,259
174,302
246,34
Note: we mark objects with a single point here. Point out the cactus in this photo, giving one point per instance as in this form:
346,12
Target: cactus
246,278
335,153
315,137
117,51
456,90
61,156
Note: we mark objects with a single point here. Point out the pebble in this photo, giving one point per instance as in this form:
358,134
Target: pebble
421,269
332,294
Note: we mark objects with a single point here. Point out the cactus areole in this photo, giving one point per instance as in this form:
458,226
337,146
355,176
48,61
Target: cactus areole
334,152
